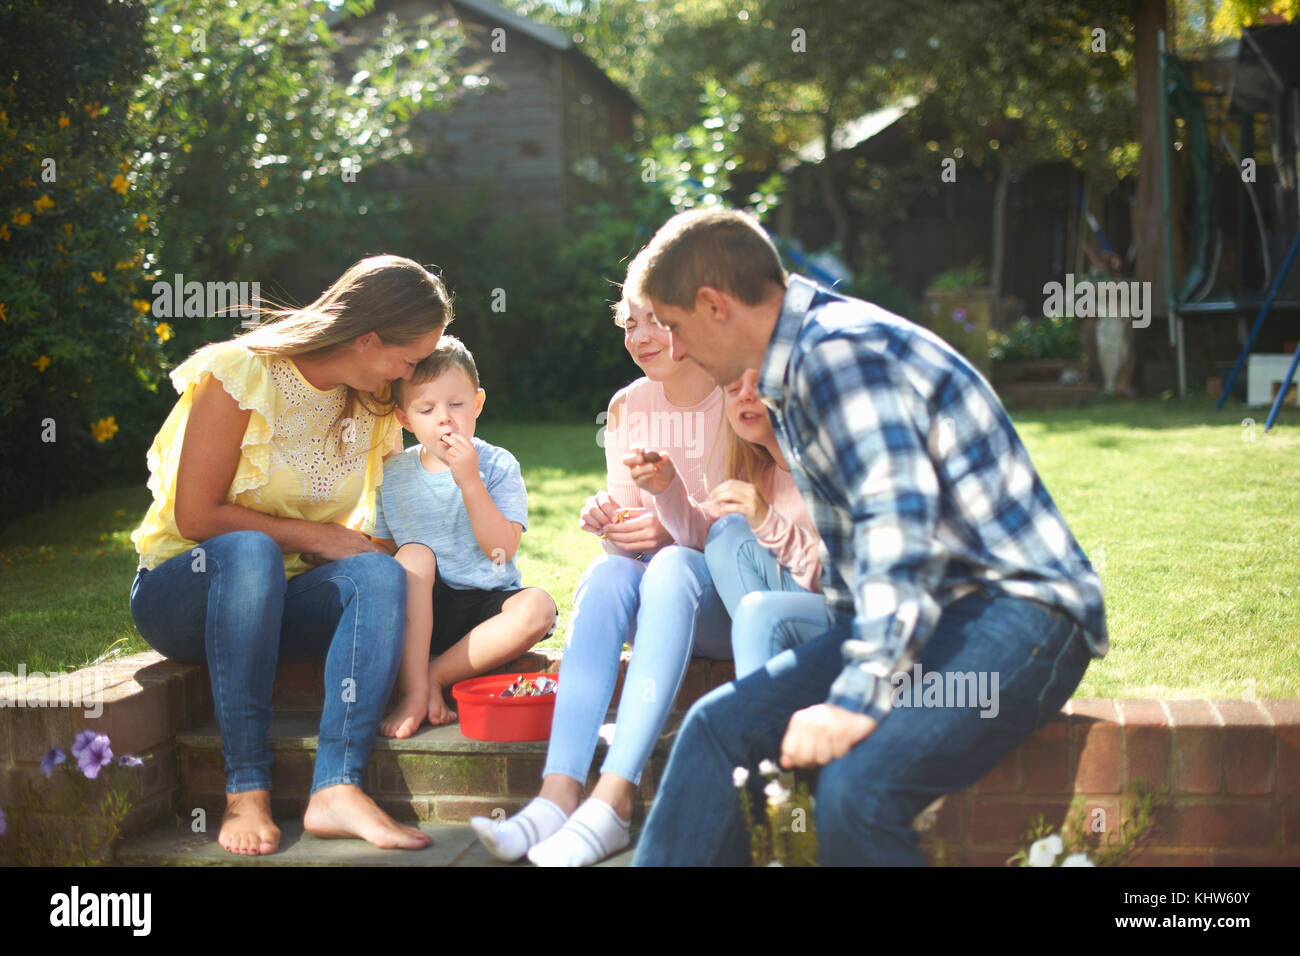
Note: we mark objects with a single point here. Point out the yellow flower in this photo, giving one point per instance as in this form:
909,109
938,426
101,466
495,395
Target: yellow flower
164,331
142,222
42,363
104,429
63,122
97,276
59,246
143,306
67,228
4,309
92,111
122,265
125,164
29,183
42,204
22,218
4,232
120,184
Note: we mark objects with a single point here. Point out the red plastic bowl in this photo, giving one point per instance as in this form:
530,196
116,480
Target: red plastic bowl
486,715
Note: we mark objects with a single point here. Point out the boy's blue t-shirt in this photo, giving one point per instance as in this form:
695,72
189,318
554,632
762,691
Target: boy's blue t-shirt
417,505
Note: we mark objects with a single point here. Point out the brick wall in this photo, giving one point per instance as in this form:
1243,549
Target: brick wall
1232,766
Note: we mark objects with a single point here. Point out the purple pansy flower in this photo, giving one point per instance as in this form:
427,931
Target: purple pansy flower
52,760
92,751
970,326
958,314
126,760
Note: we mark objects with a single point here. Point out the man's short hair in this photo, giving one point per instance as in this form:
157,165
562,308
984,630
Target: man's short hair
450,352
722,248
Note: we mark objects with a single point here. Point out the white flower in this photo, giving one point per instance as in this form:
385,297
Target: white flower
1077,859
767,768
1045,852
739,777
776,794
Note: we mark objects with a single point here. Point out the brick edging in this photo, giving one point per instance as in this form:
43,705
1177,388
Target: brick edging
1232,766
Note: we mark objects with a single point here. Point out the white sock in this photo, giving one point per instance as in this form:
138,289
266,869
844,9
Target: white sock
593,833
510,839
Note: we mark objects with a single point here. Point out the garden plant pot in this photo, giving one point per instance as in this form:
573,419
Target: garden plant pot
963,319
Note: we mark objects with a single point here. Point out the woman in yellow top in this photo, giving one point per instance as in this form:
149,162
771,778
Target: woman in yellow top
250,554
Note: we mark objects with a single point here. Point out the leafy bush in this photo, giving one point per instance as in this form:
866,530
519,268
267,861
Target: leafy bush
248,122
1054,337
878,287
78,357
970,276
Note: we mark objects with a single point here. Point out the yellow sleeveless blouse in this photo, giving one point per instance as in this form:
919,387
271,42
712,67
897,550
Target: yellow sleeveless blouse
290,463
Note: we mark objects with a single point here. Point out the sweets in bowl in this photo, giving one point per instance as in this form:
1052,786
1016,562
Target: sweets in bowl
506,707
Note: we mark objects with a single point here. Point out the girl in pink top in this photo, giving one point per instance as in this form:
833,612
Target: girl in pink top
759,540
648,586
764,554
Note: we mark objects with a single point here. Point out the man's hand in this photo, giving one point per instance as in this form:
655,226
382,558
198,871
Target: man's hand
822,733
740,497
462,458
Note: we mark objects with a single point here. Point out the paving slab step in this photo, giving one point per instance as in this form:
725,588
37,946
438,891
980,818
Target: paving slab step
437,775
174,844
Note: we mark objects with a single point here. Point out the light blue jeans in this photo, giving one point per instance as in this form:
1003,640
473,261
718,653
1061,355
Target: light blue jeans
770,611
235,612
667,606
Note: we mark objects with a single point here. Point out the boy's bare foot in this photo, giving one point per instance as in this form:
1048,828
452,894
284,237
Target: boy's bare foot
246,827
439,712
344,810
405,719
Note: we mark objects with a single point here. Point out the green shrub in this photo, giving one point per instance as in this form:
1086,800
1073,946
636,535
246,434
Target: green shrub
78,357
1054,337
970,276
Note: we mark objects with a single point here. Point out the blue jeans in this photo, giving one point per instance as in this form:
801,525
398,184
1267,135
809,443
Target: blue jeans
866,800
770,611
235,612
667,605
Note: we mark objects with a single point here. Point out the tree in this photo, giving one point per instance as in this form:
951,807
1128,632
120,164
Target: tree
248,133
1021,84
75,352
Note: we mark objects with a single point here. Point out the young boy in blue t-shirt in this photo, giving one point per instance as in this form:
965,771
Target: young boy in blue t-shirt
455,508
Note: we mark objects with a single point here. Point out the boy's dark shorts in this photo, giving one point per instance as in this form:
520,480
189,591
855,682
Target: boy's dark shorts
458,611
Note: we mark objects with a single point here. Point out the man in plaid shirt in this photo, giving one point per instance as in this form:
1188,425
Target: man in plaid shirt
943,556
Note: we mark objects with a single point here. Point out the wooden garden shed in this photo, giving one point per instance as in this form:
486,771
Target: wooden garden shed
537,123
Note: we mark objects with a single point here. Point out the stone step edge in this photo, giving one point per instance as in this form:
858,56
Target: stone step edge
454,846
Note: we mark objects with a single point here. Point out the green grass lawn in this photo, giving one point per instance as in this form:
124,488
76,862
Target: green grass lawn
1194,530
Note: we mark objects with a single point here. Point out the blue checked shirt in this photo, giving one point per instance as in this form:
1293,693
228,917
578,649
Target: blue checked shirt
919,485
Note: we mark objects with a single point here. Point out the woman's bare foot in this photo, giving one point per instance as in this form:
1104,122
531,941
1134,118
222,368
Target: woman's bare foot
405,719
247,828
344,810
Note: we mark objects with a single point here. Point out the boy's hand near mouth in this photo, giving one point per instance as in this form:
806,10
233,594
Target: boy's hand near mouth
459,454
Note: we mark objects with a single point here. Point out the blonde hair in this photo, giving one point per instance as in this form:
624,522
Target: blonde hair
631,288
394,297
749,462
